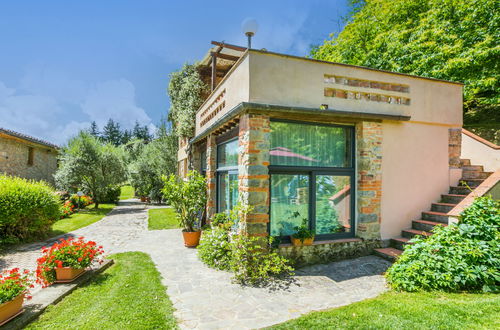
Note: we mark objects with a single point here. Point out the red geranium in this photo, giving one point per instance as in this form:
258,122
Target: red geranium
14,283
66,253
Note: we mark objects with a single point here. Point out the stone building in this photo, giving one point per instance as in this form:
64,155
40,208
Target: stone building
358,153
27,157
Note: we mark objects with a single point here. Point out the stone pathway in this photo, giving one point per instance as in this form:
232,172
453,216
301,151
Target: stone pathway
205,298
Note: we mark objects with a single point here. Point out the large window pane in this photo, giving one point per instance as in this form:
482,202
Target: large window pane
333,204
227,154
295,144
289,202
228,191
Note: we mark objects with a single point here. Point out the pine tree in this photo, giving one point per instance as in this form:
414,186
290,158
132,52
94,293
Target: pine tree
112,133
94,129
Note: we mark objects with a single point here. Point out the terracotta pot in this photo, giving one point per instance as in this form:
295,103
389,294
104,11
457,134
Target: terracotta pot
191,238
68,274
11,308
143,199
298,242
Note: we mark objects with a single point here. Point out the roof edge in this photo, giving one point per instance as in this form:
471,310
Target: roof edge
28,138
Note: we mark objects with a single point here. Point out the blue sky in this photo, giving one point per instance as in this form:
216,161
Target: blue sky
64,64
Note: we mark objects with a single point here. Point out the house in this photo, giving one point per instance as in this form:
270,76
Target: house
27,157
357,152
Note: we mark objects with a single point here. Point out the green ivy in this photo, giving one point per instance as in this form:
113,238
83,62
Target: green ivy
461,257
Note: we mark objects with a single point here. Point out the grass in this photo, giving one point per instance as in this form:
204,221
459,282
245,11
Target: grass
128,295
162,219
394,310
127,192
81,219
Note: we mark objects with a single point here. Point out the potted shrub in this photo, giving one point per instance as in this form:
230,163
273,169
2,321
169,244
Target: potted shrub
188,198
66,260
14,286
303,236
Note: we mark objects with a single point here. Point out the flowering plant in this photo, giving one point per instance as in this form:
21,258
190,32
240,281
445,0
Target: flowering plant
73,253
14,283
67,209
82,201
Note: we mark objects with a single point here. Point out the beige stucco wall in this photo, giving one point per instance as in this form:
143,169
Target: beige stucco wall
44,160
480,154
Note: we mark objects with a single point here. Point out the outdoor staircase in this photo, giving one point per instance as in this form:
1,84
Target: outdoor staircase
472,176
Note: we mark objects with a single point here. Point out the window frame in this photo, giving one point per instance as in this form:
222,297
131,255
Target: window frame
220,170
312,172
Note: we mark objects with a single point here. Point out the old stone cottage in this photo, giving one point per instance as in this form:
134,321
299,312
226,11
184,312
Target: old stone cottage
358,153
27,157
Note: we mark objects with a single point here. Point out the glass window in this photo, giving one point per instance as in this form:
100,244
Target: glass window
333,204
228,190
227,154
203,161
298,144
289,202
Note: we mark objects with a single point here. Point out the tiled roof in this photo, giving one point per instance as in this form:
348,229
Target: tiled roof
27,138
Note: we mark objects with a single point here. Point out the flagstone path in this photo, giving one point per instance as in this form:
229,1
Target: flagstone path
207,299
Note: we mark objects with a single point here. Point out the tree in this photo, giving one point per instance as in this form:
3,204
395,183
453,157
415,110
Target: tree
456,40
94,129
141,132
92,166
111,133
186,90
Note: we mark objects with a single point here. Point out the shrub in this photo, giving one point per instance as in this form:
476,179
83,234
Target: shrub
14,283
80,202
111,194
254,262
66,253
67,209
27,209
462,256
215,248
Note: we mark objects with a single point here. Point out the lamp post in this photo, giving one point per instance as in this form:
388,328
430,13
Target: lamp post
80,194
249,27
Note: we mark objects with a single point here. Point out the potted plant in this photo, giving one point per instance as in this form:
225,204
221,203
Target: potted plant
302,236
14,287
66,260
188,198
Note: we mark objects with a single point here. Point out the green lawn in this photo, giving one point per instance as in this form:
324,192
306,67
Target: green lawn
393,310
127,192
162,219
81,219
128,295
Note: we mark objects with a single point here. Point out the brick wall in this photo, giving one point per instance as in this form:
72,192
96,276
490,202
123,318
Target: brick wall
14,160
253,173
369,178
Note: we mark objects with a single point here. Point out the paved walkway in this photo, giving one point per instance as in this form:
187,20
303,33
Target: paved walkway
205,298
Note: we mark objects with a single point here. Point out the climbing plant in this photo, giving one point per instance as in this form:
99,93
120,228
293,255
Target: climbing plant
186,90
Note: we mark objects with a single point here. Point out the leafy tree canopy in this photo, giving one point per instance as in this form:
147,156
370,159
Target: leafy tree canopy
457,40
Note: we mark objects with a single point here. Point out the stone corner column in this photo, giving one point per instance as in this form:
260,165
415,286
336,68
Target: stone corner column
454,147
369,179
210,175
253,172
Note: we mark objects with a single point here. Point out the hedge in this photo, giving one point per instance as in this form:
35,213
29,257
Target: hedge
27,209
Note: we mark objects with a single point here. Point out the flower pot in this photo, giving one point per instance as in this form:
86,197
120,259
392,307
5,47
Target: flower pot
11,308
191,238
68,274
305,242
143,199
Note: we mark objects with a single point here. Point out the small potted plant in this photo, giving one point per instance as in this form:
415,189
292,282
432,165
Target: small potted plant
14,287
66,260
188,198
302,236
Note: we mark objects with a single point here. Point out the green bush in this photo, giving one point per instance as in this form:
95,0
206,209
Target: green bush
215,248
111,194
461,257
27,209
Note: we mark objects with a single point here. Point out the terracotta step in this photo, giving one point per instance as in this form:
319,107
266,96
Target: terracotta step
475,174
452,198
464,162
435,216
400,242
410,233
459,190
388,253
473,183
426,225
473,168
443,207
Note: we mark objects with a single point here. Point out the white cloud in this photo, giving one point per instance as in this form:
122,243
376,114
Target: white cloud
51,106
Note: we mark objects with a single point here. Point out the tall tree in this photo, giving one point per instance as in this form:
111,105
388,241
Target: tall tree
111,133
94,129
88,164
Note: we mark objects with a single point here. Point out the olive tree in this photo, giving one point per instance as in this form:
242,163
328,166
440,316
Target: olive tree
88,164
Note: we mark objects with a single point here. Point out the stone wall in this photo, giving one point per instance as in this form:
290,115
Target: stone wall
322,252
454,146
211,178
14,160
369,178
253,173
